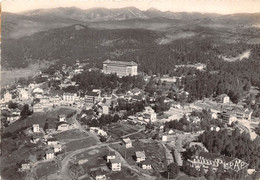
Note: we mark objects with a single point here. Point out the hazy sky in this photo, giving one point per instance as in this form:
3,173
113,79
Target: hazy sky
213,6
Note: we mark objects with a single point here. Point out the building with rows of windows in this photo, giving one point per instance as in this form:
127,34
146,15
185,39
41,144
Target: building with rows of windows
121,68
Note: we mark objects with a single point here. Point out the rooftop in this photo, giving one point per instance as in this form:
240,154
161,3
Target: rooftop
120,63
147,162
213,156
49,151
113,161
90,93
127,140
140,154
111,153
52,139
97,172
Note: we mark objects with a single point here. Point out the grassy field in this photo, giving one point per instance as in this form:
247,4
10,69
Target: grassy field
153,151
46,169
94,159
11,173
118,130
38,118
71,134
9,76
79,144
140,135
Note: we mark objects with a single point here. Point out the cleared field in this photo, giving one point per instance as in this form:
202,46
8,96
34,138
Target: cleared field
79,144
118,130
71,134
9,76
140,135
46,169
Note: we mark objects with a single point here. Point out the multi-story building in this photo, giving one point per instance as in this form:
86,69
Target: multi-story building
127,142
36,128
140,156
115,164
205,160
69,97
230,114
92,97
121,68
49,154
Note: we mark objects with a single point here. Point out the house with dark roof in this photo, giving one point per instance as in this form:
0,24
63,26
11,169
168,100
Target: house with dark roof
140,156
147,164
62,126
52,141
115,164
98,174
49,154
111,155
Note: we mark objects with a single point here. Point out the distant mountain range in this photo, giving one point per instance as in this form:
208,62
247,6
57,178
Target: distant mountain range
67,34
104,14
29,22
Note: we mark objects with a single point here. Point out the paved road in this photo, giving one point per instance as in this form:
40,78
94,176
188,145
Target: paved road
65,162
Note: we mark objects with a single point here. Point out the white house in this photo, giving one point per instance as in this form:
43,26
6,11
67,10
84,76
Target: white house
105,109
36,128
140,156
127,142
223,98
147,164
63,126
98,175
62,117
115,164
49,154
23,94
7,97
111,155
52,141
25,167
57,148
164,138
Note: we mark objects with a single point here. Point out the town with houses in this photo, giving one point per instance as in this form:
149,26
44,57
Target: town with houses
55,129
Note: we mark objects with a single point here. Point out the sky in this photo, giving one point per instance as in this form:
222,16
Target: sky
204,6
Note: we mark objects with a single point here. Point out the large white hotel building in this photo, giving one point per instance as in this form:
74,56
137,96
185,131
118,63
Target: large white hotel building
121,68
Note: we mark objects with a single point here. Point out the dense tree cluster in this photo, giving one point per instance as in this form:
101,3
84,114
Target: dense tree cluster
233,144
97,80
130,107
188,125
103,120
12,105
25,112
